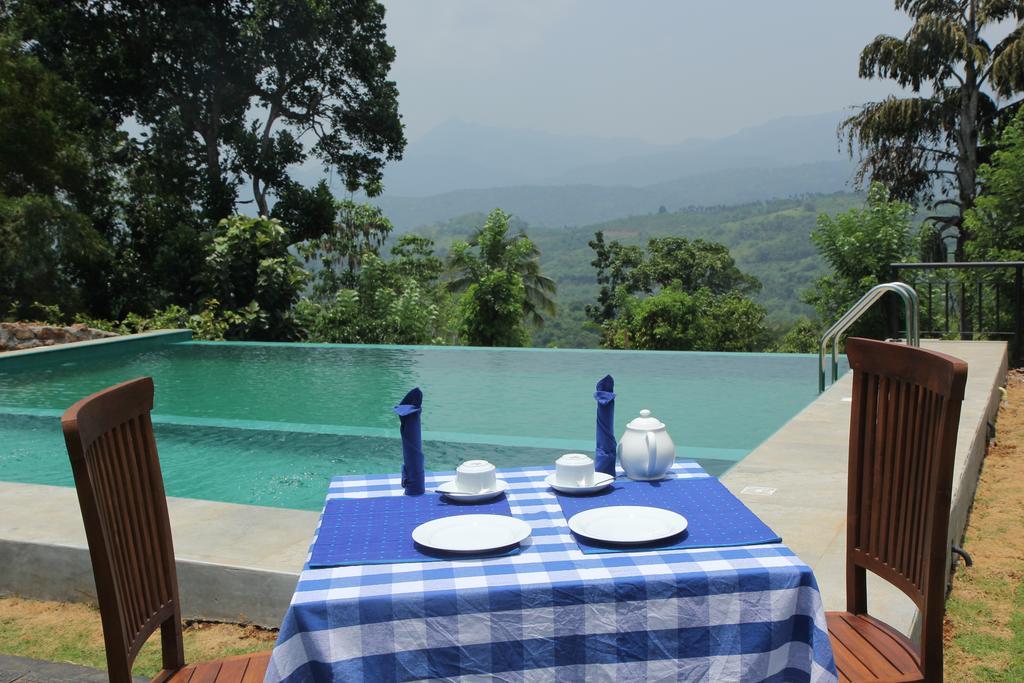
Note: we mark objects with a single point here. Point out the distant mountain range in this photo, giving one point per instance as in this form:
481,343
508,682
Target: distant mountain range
457,155
564,205
559,180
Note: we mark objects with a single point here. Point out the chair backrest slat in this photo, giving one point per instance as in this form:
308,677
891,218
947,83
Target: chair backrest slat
109,437
906,410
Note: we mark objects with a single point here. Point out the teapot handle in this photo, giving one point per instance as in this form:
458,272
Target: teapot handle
652,452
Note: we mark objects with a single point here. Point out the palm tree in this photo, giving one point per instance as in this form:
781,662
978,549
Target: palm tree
497,249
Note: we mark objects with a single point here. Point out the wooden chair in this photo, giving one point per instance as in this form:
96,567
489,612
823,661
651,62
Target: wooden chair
906,410
109,438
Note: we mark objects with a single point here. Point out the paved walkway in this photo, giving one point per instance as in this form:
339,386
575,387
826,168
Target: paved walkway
25,670
796,480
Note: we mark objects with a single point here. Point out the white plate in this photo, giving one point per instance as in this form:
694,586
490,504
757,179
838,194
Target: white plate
448,489
601,480
471,533
627,524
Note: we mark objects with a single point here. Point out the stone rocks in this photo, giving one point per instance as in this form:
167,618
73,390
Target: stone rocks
17,336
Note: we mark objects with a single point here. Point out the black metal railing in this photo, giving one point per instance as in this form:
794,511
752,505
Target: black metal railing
969,300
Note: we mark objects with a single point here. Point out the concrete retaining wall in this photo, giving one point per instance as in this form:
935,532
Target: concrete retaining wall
972,438
209,592
236,563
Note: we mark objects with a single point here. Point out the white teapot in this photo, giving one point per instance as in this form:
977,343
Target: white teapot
646,451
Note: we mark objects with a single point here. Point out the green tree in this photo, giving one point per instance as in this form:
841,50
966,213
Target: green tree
499,248
675,319
381,307
613,263
42,241
802,336
690,265
962,89
209,324
307,212
997,219
358,231
490,311
502,288
224,94
400,301
162,248
250,269
859,245
247,87
55,189
683,294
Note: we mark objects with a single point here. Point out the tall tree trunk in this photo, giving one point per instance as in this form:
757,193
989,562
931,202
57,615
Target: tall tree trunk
967,134
212,159
221,199
259,185
967,163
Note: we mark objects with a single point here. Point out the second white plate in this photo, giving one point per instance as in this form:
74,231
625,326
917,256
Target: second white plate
448,489
471,533
627,524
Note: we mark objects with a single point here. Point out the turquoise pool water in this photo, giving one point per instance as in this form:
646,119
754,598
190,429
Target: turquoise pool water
269,424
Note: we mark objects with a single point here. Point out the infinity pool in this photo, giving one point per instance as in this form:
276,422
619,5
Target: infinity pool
269,424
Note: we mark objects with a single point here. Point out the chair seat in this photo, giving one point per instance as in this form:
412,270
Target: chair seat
868,650
241,669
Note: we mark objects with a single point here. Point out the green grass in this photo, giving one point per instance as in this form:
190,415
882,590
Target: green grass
1006,654
71,633
985,612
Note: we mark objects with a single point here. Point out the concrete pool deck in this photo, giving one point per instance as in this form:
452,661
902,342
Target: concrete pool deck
796,480
241,562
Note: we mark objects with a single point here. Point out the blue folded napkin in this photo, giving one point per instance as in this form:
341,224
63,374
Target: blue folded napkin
408,412
604,450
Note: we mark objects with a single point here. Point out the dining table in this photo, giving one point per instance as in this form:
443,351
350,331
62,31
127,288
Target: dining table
553,608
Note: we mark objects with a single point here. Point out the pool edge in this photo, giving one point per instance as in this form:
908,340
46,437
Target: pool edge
45,355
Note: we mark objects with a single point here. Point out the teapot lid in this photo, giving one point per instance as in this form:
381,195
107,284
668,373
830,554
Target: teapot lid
645,422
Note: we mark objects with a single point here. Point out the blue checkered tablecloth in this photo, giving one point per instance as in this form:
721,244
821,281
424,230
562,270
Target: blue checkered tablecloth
750,613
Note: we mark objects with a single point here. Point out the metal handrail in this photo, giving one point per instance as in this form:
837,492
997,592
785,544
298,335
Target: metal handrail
1016,299
911,305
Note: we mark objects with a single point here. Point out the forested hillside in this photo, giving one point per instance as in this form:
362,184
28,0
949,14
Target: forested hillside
769,240
561,205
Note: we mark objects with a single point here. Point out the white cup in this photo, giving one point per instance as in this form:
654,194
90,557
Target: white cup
574,469
475,476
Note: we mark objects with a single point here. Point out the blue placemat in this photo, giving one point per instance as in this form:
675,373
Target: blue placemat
715,518
378,530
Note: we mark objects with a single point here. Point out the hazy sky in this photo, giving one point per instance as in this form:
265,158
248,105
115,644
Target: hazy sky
659,70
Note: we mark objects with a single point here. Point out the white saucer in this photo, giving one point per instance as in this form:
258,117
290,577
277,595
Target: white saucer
627,524
601,481
448,489
471,533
